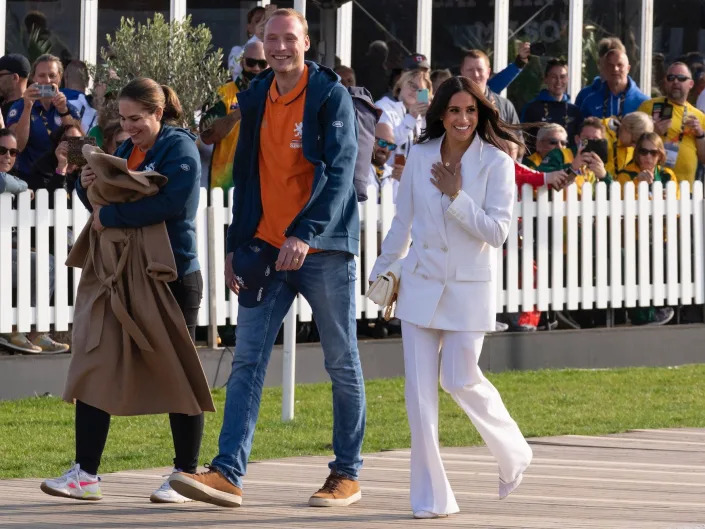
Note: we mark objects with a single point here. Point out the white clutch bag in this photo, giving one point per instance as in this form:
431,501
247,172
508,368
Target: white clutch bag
383,291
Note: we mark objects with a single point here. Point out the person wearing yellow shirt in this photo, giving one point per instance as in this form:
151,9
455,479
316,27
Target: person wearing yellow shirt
647,166
221,124
549,137
679,123
588,166
621,136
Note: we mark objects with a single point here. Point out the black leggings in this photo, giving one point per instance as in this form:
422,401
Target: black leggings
92,424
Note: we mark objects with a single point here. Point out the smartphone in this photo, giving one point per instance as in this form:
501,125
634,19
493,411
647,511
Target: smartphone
599,147
75,149
399,159
46,90
538,49
667,111
422,95
656,110
571,173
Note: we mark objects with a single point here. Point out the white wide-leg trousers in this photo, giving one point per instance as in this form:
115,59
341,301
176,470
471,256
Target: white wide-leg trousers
462,379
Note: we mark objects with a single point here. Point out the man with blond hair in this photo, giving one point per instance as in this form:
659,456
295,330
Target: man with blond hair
295,229
476,67
618,94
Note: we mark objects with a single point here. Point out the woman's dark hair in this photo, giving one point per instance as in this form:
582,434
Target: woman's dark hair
152,96
489,127
7,133
58,134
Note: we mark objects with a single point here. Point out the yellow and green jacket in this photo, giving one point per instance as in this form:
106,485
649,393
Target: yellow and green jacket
561,159
221,174
661,174
618,155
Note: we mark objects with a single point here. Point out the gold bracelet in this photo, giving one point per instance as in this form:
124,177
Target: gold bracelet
454,195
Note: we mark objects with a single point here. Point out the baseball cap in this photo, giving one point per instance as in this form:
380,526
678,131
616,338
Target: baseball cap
415,61
253,267
15,63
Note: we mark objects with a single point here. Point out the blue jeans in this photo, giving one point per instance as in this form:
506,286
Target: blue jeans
327,281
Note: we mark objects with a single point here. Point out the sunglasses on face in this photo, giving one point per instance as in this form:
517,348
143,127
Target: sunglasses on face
5,150
557,142
386,145
652,152
681,78
251,63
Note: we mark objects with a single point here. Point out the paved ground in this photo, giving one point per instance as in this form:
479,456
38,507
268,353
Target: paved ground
638,480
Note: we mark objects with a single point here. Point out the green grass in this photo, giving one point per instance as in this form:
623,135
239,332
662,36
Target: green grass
36,435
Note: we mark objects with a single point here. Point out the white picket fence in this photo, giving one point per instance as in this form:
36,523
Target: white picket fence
587,252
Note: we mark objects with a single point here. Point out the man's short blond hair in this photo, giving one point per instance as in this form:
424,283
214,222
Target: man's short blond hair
288,12
550,128
477,54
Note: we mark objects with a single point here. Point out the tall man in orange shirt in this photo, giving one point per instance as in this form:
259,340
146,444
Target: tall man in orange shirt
295,229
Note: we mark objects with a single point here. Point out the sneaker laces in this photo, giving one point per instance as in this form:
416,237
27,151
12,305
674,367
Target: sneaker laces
165,487
209,470
332,482
73,473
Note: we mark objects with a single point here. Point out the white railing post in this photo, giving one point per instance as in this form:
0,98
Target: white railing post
212,281
501,37
289,364
575,48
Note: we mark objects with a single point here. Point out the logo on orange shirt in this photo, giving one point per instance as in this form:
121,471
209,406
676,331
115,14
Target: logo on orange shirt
298,134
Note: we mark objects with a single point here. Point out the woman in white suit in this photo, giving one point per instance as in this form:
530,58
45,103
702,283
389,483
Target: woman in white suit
455,203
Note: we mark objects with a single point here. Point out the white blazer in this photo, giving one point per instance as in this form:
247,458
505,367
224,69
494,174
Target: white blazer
449,274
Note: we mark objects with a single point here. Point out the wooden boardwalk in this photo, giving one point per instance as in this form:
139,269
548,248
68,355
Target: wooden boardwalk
637,480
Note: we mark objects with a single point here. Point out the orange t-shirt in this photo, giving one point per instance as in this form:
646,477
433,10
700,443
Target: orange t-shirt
136,158
285,175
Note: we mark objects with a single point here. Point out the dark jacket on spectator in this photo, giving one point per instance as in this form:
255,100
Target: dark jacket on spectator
544,108
44,176
507,112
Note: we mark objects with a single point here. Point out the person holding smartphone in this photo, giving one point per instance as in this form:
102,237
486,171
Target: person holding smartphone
52,170
41,111
407,115
680,124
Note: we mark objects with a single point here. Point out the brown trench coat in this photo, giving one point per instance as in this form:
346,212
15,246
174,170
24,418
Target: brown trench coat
131,350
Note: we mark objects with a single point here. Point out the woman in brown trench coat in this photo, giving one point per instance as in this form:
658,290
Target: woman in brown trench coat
140,291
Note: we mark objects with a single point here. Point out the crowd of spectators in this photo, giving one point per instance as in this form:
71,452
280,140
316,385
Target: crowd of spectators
610,132
44,105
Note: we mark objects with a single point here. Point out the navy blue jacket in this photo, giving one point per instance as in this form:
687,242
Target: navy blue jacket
174,155
329,220
545,108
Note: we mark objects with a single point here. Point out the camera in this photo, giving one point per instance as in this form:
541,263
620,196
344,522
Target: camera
46,90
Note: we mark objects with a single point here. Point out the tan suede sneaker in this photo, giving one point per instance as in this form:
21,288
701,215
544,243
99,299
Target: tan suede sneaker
209,487
338,491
